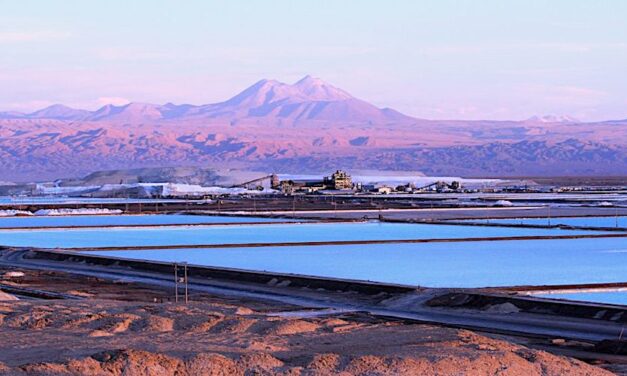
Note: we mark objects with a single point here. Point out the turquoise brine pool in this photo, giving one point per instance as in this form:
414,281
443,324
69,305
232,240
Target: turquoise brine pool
303,232
458,264
117,220
608,297
569,221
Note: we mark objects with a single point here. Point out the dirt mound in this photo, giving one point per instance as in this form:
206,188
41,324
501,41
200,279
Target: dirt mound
153,323
369,364
106,320
202,324
82,294
100,333
7,297
60,338
109,363
259,362
132,362
234,325
213,365
6,307
116,323
32,320
76,322
325,363
293,327
135,362
244,311
334,322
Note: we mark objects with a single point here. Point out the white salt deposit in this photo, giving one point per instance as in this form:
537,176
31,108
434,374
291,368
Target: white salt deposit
503,203
13,213
82,211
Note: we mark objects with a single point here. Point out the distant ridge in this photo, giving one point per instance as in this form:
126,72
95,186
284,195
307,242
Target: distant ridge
309,125
56,112
309,99
59,112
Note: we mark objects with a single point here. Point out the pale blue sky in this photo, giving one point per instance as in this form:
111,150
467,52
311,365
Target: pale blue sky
433,59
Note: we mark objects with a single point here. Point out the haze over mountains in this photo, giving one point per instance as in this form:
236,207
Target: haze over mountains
308,126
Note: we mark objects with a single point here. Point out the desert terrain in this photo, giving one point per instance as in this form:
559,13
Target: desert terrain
306,126
121,328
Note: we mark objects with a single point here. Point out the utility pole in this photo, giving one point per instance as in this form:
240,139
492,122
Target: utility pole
186,288
176,282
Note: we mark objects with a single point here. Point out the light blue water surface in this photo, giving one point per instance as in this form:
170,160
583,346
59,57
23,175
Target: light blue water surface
610,297
570,221
458,264
48,238
112,220
10,200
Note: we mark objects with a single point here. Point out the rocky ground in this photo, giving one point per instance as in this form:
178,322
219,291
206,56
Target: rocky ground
119,329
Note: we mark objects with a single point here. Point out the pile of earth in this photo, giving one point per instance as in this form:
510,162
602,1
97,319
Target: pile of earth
105,337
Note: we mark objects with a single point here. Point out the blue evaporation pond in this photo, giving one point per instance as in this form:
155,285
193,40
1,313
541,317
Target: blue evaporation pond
10,200
116,220
456,264
609,297
570,221
244,234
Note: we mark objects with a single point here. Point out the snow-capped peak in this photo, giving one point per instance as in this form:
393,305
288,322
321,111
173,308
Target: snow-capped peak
310,98
316,89
308,89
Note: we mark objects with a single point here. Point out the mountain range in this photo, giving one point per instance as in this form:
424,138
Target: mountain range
306,100
306,126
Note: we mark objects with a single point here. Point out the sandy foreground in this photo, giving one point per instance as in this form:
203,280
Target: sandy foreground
118,329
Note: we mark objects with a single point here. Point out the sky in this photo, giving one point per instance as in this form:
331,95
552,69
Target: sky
439,59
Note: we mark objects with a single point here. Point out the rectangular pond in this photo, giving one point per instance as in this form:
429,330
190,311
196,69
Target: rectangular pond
8,201
126,220
244,234
620,221
608,297
458,264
